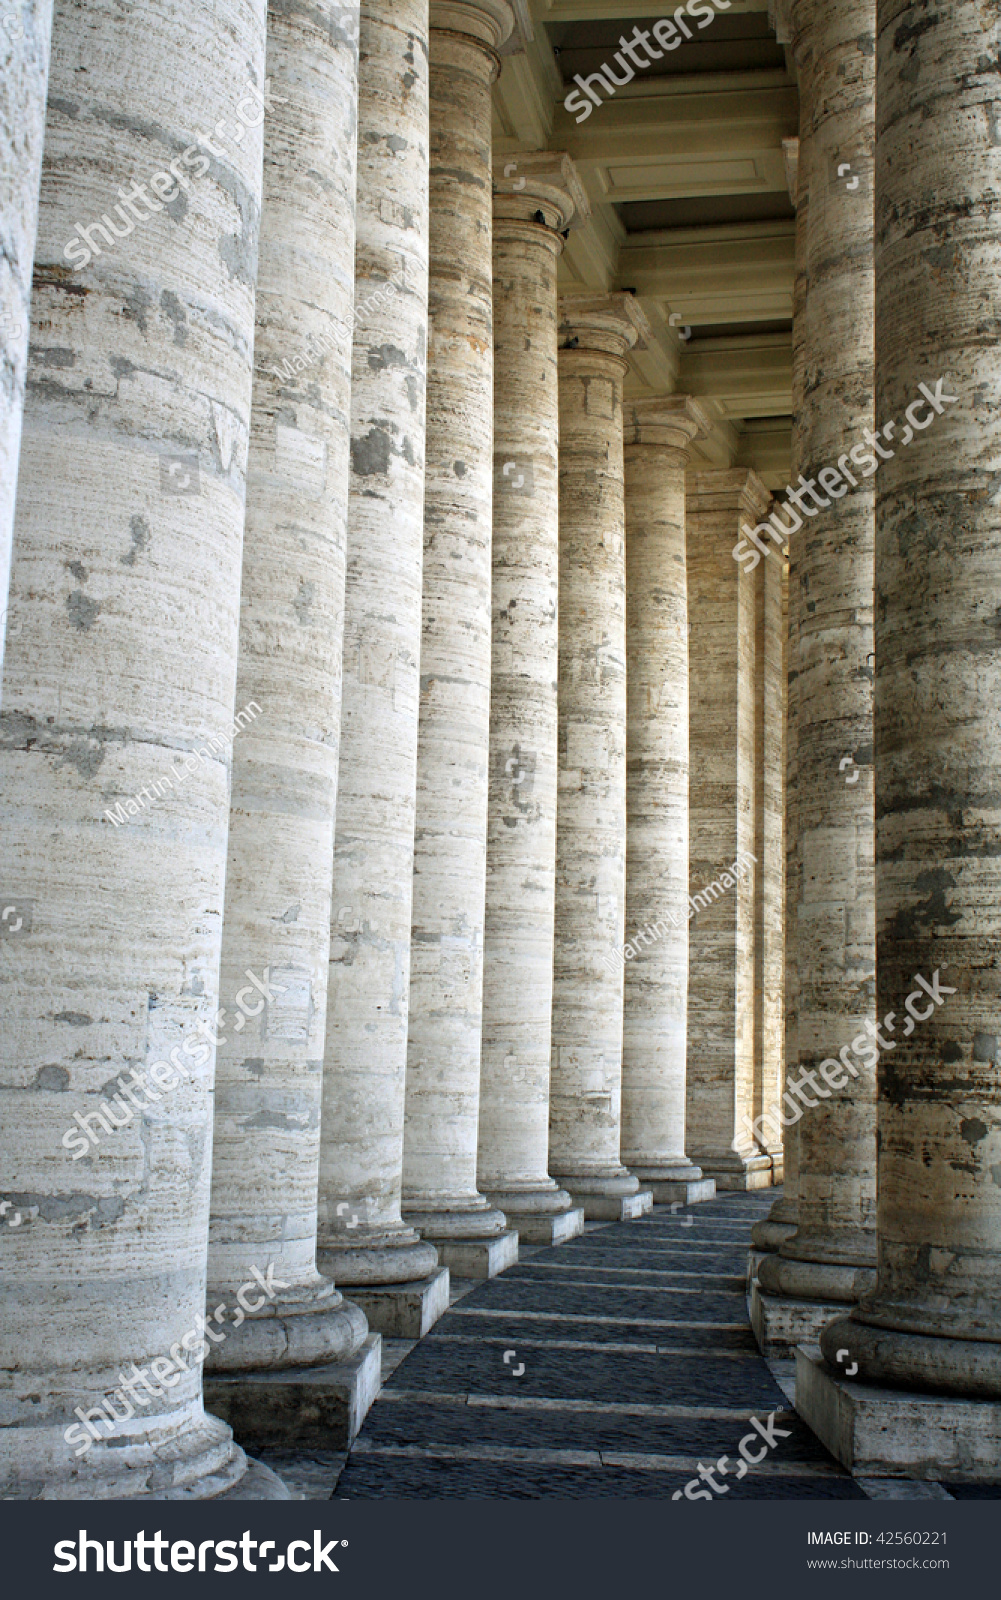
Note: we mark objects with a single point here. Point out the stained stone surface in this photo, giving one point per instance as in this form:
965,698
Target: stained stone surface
934,1320
638,1362
363,1238
835,929
521,839
24,66
446,972
276,923
585,1111
657,439
125,667
721,608
769,847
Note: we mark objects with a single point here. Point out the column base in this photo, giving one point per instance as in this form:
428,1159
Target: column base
754,1260
479,1258
895,1433
740,1174
767,1236
778,1169
304,1328
257,1483
319,1407
780,1323
967,1368
405,1310
843,1283
375,1256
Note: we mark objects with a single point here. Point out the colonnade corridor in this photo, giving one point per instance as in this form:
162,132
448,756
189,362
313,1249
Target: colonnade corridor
500,775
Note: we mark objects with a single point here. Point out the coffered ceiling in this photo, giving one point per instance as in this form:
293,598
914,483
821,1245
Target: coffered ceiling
687,168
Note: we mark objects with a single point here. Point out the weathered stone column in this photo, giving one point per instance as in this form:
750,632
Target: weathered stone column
934,1318
536,197
780,1223
126,577
721,608
25,36
658,436
279,867
769,847
446,972
363,1239
586,1086
831,1257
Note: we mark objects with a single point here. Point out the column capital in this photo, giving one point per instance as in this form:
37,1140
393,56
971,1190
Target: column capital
723,488
674,420
609,324
487,22
539,180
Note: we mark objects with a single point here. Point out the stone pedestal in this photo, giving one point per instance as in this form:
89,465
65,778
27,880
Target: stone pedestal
440,1196
894,1433
690,1191
362,1238
24,68
126,580
721,609
405,1310
586,1085
276,923
479,1258
781,1322
319,1408
536,198
657,439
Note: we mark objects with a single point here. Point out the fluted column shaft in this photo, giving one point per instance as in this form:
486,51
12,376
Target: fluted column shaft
832,1254
125,668
586,1091
536,198
934,1319
658,436
363,1238
721,608
278,878
446,974
25,37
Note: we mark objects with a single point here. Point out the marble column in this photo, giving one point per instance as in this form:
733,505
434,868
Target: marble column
721,609
276,924
440,1196
769,847
658,435
118,710
363,1238
933,1321
536,198
585,1114
780,1223
25,36
831,1258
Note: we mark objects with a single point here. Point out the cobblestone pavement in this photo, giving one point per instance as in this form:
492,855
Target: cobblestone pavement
630,1360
